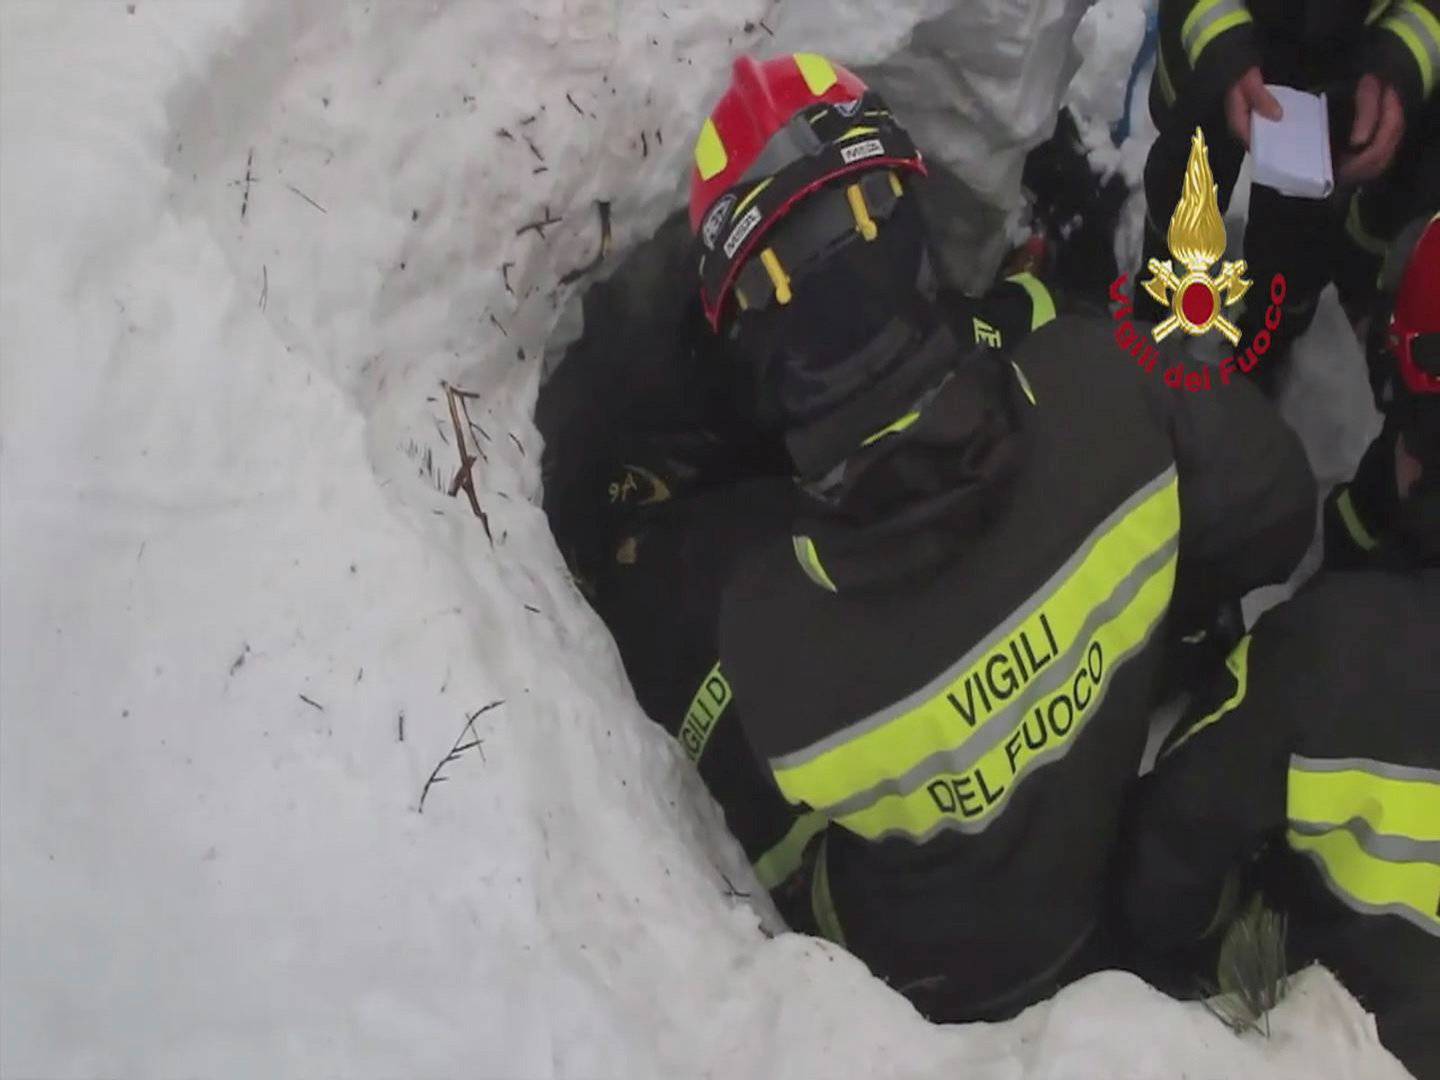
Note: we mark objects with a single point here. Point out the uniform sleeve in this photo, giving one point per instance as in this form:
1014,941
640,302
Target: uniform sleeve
1007,314
642,409
1403,48
1213,39
1217,793
1247,495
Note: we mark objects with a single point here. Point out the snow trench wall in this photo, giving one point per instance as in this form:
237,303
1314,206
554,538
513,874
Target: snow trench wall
244,245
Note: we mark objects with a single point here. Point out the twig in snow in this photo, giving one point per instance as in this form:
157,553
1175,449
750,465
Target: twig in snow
312,703
574,106
307,198
465,476
249,179
732,892
517,443
496,323
539,226
505,276
401,723
457,748
534,150
264,286
240,660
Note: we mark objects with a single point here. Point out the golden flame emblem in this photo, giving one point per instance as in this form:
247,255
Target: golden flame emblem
1197,240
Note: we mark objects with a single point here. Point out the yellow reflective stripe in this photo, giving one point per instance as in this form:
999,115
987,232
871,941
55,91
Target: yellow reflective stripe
1391,806
1372,885
1167,87
1377,8
1024,383
822,903
891,429
1238,663
1100,605
1214,30
818,73
701,719
710,156
1198,12
1042,304
1353,525
1420,31
809,560
968,801
754,194
774,867
1363,237
856,132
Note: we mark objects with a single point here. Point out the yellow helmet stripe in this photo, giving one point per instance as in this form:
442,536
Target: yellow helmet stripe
819,73
710,156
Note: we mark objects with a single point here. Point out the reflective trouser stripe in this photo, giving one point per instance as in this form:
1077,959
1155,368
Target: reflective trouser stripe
1353,525
1364,239
892,428
1373,829
809,559
782,860
1377,8
874,777
822,903
1042,304
1238,664
1208,20
1167,86
1420,31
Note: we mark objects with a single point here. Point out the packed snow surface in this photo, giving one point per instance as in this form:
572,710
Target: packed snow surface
243,246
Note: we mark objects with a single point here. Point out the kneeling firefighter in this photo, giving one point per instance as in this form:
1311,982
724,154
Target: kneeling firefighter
662,464
946,647
1310,771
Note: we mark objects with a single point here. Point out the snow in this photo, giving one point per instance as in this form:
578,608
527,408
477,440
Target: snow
241,624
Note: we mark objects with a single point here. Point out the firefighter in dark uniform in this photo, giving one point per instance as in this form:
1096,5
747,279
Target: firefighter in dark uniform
1363,517
949,648
1311,769
1377,60
660,469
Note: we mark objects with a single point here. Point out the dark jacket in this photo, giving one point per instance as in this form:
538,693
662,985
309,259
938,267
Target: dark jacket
970,726
1320,739
657,478
1205,45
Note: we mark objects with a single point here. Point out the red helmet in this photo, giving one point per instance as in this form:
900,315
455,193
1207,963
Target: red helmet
1413,334
783,129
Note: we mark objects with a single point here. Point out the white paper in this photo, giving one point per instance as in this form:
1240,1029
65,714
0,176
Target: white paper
1292,154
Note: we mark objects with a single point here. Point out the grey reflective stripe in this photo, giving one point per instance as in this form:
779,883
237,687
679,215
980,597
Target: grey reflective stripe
1381,845
1417,28
1368,765
1039,761
985,645
1402,911
1206,14
1001,723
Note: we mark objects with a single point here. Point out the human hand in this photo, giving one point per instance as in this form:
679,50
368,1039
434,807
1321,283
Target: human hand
1377,132
1246,96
